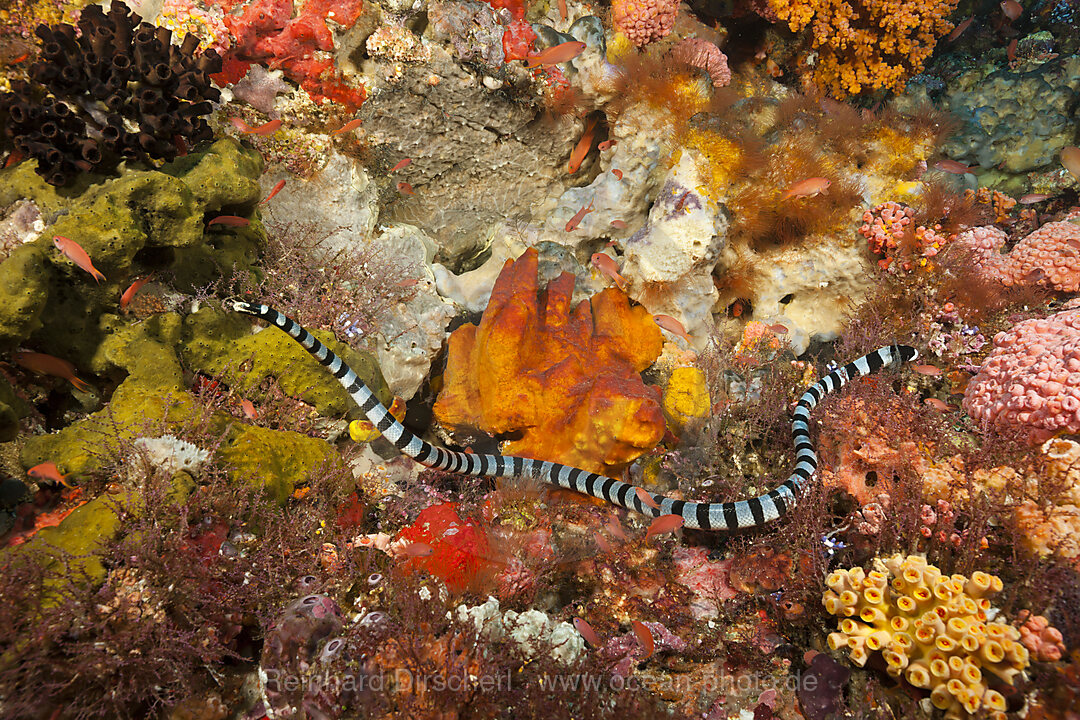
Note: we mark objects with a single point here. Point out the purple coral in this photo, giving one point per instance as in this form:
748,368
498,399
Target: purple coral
1031,380
705,55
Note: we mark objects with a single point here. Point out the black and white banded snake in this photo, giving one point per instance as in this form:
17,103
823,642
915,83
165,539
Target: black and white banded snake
739,515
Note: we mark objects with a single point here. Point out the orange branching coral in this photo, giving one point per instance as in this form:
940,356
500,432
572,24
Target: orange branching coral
564,380
864,45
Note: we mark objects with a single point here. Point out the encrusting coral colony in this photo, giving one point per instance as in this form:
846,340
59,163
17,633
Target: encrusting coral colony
539,359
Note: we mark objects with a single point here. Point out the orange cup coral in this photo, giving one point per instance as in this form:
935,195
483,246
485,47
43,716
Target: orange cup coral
565,380
879,45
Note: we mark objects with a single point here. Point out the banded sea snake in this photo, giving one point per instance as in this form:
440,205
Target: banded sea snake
704,516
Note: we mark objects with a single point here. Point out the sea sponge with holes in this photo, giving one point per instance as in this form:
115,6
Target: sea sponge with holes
562,382
931,628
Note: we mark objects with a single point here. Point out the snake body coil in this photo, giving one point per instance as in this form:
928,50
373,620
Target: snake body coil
705,516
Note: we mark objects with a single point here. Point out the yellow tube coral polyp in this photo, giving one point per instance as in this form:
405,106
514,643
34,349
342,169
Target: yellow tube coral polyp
930,628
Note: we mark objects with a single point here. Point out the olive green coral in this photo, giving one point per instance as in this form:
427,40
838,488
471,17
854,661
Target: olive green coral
932,630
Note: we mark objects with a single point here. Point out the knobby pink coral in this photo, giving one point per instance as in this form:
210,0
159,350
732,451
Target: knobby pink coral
1050,256
886,225
705,55
1031,380
644,21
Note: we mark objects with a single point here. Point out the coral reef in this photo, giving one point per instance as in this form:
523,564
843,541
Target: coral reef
113,88
1031,379
932,629
1049,256
880,45
565,379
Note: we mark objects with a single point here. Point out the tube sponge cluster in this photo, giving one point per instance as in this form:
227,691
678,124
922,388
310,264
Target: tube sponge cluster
114,87
931,628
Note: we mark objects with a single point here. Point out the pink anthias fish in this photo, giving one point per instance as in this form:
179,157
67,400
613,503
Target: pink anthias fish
807,188
572,224
229,221
664,524
133,290
74,252
952,167
49,365
646,498
49,471
1012,9
563,52
644,636
672,326
585,630
606,265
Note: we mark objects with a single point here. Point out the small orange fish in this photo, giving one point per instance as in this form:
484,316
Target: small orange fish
807,188
938,405
49,365
267,128
1070,160
959,29
952,167
646,498
581,150
132,290
672,326
586,632
606,144
351,125
606,265
931,370
240,125
418,550
1012,9
181,145
273,191
601,542
74,252
617,173
664,524
229,221
402,164
616,529
1032,198
14,158
562,10
49,471
1010,52
405,188
779,328
618,225
248,408
563,52
578,217
644,636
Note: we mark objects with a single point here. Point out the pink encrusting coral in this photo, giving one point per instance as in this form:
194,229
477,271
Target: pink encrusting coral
644,21
705,55
1042,641
1050,256
886,225
1031,380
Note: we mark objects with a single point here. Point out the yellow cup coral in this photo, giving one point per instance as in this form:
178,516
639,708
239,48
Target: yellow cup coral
931,628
